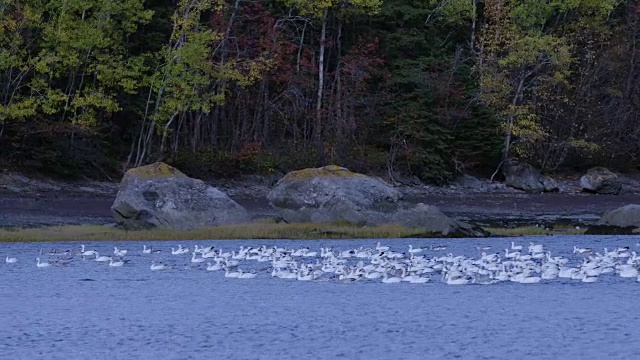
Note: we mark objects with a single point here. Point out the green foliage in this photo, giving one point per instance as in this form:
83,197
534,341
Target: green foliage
316,8
227,88
527,56
208,163
427,115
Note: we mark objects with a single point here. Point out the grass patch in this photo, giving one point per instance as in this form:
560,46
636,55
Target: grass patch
244,231
534,230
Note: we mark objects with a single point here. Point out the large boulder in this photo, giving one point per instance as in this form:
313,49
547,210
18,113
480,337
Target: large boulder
623,220
159,195
601,180
526,177
333,194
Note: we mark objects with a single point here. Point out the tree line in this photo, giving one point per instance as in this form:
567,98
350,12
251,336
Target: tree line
406,88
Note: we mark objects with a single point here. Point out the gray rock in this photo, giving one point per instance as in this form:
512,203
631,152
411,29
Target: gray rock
434,221
468,182
601,181
621,221
526,177
334,194
628,215
159,195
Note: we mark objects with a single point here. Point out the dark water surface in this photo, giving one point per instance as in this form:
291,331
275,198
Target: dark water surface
87,310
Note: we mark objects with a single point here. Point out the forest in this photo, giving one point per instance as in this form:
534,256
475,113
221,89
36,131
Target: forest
406,88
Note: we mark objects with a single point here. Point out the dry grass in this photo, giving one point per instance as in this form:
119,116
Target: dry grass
244,231
534,230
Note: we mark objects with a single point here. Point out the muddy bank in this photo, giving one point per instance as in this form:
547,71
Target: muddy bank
26,202
482,209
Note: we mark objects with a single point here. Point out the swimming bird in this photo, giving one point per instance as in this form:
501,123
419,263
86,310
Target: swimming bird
247,275
577,250
180,250
118,263
42,264
232,274
156,267
11,260
379,247
84,252
413,250
214,267
196,260
390,280
102,258
118,252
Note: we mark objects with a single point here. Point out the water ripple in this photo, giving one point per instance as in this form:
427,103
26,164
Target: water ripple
87,310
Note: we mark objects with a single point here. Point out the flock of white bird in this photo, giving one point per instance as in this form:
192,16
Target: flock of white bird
516,264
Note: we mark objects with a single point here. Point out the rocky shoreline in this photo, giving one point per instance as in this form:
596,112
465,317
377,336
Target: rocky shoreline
29,202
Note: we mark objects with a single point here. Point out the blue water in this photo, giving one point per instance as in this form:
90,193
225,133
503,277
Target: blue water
87,310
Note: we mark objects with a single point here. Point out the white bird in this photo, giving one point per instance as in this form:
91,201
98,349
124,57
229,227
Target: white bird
456,280
534,248
214,267
180,250
247,275
146,250
118,263
415,279
577,250
11,260
515,247
390,280
232,274
118,252
413,250
84,252
156,267
102,258
198,260
42,264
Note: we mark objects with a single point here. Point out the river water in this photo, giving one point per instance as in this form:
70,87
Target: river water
88,310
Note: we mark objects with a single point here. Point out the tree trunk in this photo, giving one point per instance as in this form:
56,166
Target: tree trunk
323,38
473,26
510,124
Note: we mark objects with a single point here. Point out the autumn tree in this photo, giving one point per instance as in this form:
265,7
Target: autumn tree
525,54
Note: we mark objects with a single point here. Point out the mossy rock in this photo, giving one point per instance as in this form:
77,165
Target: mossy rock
333,193
325,171
157,170
601,180
159,195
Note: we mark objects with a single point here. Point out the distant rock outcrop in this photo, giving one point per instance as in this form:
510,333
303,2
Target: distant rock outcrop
159,195
601,181
623,220
435,221
332,194
526,177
